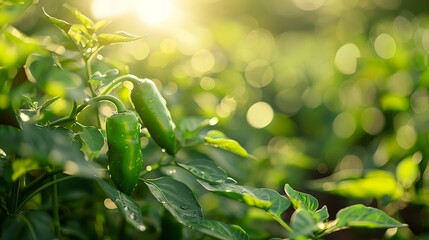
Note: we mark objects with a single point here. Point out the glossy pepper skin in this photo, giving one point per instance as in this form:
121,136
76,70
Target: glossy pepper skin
124,150
153,111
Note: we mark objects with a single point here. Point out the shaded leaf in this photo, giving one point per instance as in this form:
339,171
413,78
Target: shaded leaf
361,216
177,198
54,80
112,38
301,200
220,230
92,138
48,147
218,139
206,170
30,225
128,208
302,224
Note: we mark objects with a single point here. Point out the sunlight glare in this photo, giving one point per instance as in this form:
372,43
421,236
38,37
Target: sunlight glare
149,12
154,12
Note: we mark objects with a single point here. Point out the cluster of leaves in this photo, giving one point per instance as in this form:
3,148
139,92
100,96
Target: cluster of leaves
46,147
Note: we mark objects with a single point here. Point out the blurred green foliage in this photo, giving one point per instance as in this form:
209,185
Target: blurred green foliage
330,96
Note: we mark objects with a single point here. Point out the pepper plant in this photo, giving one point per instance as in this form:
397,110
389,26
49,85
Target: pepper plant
43,146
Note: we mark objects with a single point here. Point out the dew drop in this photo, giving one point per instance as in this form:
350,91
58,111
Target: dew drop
141,227
126,208
230,180
163,150
183,207
132,216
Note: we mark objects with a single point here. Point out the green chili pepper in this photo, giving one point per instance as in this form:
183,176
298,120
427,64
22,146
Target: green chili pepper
152,109
124,150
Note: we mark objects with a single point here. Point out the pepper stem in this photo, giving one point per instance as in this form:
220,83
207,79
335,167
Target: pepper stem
119,105
114,83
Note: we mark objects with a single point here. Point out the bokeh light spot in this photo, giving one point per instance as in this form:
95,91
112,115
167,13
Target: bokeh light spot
344,125
346,58
259,73
308,5
203,61
406,136
385,46
207,83
372,120
260,115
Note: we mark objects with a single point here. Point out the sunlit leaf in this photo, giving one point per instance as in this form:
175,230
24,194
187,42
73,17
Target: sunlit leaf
407,172
301,200
86,21
177,198
128,208
220,230
13,11
206,170
111,38
375,184
365,217
217,139
322,214
61,24
22,166
267,199
100,24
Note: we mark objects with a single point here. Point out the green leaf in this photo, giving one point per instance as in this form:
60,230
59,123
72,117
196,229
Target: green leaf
30,225
206,170
112,38
128,208
303,225
61,24
375,184
267,199
22,166
100,24
407,172
105,77
177,198
10,13
301,200
220,230
54,80
48,146
86,21
361,216
322,214
92,138
218,139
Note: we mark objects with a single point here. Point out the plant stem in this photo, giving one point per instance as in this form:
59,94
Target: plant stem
32,194
88,77
55,208
283,223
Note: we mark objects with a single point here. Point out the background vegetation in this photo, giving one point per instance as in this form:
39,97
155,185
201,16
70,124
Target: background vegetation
329,96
